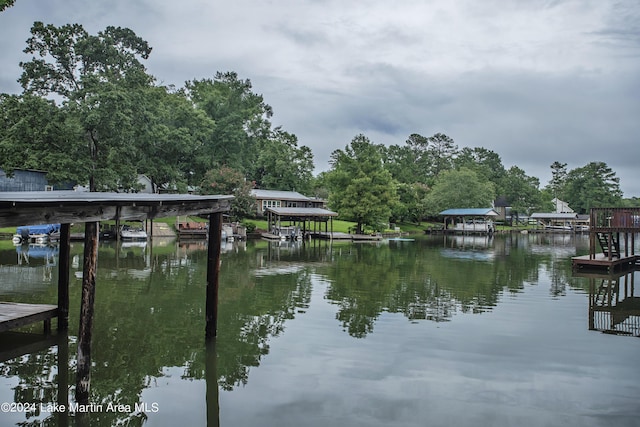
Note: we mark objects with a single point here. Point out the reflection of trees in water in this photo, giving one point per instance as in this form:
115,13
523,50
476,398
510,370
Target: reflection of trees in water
143,326
425,283
37,379
251,319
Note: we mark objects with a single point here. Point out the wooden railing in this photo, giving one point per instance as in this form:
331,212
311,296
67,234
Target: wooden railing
606,220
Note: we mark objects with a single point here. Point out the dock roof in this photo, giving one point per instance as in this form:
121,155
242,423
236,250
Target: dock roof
64,207
278,195
302,212
554,215
469,212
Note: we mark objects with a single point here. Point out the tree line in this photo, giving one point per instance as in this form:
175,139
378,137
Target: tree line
90,113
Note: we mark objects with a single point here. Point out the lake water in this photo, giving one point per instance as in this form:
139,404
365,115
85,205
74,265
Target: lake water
439,331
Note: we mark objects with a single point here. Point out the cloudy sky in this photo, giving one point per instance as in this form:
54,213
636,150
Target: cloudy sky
533,80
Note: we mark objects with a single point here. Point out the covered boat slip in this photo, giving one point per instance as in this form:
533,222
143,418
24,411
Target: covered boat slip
66,207
612,240
298,223
469,220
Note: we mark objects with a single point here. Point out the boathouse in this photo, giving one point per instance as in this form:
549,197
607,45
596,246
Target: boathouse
66,207
473,220
559,221
283,199
612,234
294,223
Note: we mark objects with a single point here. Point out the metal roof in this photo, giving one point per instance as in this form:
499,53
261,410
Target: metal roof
278,195
44,207
47,197
469,212
553,215
301,212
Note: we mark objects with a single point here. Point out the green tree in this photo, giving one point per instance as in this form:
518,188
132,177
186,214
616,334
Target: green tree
226,180
362,190
401,163
97,78
410,207
241,118
486,163
558,178
170,129
633,202
31,126
593,185
459,189
441,153
5,4
283,165
521,191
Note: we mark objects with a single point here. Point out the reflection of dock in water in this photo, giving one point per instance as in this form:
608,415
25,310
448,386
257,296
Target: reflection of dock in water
468,247
613,306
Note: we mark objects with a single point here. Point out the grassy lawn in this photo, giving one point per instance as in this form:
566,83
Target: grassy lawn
261,225
338,225
344,226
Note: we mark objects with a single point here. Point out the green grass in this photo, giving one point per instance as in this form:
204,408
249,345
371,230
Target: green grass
345,226
261,225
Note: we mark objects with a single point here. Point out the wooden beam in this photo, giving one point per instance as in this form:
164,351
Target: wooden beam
26,214
16,315
63,277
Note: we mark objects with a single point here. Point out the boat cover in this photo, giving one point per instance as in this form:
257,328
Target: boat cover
39,229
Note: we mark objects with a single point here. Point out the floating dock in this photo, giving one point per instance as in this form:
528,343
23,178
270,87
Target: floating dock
602,261
612,234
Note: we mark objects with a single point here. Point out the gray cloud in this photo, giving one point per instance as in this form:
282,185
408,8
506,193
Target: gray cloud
535,81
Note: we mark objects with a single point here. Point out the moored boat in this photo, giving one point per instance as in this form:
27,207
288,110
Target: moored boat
41,233
128,232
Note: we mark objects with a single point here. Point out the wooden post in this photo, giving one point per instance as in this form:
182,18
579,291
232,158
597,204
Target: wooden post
213,271
63,277
63,378
83,377
212,392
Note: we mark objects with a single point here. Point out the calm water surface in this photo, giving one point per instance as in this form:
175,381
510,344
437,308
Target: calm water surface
440,331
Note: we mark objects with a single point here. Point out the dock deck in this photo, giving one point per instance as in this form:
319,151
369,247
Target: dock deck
15,315
600,261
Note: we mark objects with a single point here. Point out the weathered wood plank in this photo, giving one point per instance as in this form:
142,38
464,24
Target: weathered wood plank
72,214
63,277
66,207
89,269
16,315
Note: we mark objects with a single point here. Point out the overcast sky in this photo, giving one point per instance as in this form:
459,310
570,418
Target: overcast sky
533,80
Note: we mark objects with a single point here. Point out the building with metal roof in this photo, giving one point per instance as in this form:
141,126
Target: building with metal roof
469,220
481,212
266,199
294,223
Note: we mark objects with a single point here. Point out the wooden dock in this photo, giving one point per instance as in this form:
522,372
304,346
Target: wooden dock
602,261
15,315
612,234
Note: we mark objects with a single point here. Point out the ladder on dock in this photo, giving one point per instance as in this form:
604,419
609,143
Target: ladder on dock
609,244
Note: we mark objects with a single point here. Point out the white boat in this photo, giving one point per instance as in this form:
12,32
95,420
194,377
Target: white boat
558,227
128,232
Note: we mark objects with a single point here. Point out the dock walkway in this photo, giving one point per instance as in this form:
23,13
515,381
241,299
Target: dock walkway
612,240
15,315
602,261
